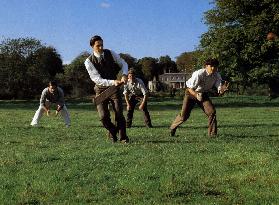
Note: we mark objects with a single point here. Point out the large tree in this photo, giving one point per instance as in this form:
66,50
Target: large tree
166,65
15,56
48,60
237,37
42,66
149,67
76,78
26,66
188,61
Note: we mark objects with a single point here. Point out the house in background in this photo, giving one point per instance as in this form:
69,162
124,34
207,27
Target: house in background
152,85
174,80
168,81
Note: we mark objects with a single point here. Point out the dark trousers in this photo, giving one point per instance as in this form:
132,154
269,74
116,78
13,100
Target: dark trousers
133,100
206,105
104,114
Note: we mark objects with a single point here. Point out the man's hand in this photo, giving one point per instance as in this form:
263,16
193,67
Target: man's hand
199,96
141,106
117,82
128,107
59,107
47,110
224,88
124,79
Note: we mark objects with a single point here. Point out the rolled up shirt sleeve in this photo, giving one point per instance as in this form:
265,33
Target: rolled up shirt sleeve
193,82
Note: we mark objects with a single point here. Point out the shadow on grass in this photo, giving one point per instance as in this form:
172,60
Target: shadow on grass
248,125
231,126
169,140
189,126
154,126
177,107
241,136
177,139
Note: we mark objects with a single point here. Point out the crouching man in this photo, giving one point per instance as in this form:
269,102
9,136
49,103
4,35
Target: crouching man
52,94
198,88
134,92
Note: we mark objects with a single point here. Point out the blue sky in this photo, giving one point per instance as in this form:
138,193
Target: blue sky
141,28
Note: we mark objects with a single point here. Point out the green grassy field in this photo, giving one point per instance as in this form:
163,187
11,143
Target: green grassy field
78,165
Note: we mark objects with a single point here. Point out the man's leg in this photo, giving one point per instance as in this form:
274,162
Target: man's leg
111,107
130,112
66,116
187,106
38,115
210,111
119,117
104,115
147,118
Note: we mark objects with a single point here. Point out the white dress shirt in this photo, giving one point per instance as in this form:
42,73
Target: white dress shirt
201,81
135,88
94,74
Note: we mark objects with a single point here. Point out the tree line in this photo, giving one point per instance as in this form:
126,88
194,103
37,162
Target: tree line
26,66
236,36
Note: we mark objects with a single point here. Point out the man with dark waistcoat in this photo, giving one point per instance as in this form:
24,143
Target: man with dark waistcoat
198,88
103,66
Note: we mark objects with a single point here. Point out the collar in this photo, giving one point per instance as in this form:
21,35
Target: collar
98,55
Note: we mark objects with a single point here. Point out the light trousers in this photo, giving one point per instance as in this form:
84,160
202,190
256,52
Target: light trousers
39,113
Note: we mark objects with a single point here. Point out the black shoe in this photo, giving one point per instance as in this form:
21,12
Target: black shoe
128,126
172,132
149,126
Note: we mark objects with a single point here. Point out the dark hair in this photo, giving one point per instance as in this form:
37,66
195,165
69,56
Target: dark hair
131,71
52,83
212,61
94,39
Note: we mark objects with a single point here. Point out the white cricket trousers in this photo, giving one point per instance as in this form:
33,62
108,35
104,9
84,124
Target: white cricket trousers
39,113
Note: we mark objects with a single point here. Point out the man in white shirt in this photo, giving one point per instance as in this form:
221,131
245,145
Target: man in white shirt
103,66
198,87
134,92
52,94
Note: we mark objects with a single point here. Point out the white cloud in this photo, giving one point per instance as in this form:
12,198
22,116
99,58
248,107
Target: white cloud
105,5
